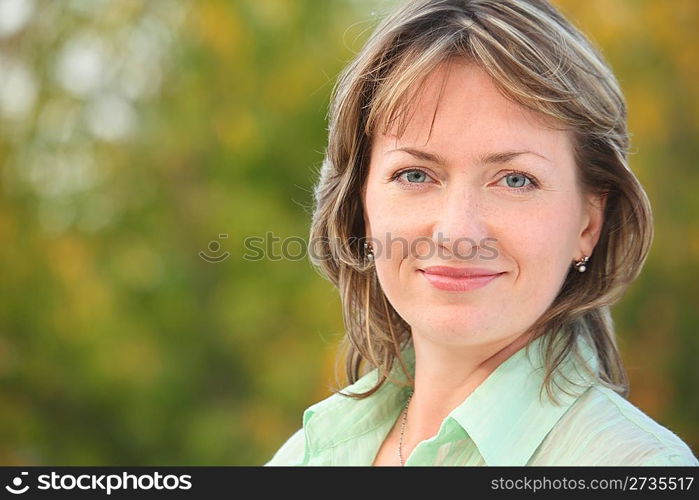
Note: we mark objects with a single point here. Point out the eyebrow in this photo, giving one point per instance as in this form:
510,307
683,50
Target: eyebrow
498,157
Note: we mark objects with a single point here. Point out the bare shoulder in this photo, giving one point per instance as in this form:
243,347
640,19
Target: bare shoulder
603,428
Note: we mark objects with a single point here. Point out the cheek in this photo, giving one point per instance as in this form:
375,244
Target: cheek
543,244
392,227
395,238
394,235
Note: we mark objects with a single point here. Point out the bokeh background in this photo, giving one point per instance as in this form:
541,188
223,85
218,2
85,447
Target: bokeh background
137,134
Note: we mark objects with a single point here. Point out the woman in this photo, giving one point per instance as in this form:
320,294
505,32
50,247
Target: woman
477,213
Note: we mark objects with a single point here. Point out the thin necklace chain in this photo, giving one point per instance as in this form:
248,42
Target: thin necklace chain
402,430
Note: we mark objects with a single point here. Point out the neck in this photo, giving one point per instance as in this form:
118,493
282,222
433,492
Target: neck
444,377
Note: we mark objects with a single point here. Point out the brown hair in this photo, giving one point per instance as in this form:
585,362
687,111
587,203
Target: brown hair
538,60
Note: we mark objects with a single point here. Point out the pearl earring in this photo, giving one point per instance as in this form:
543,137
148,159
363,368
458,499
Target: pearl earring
368,250
581,264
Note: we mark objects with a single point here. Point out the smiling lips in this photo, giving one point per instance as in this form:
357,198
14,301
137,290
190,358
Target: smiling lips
454,279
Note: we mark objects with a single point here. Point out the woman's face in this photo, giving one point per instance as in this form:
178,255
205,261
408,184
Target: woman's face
492,188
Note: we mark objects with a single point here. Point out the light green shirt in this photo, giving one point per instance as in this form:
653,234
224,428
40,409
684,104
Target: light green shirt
502,422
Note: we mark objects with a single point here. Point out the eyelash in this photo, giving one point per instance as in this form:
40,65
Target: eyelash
534,184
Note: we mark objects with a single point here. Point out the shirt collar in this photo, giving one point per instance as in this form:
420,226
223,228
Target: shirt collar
506,405
339,418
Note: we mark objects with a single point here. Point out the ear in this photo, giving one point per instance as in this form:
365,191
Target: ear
593,219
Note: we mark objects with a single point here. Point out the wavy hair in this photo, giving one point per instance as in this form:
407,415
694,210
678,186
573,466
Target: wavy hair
537,59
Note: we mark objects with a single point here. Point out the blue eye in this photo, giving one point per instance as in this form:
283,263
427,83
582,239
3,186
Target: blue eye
415,176
520,181
410,176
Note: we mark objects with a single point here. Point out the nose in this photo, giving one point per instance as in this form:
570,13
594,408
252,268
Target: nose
461,225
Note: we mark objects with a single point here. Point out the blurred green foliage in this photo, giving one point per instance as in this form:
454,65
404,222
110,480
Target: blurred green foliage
134,134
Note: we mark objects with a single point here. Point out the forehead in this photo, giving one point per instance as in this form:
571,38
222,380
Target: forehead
458,109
